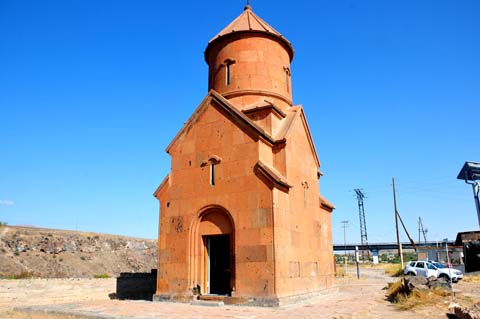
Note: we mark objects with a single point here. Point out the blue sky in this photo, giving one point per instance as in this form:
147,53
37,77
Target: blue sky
91,93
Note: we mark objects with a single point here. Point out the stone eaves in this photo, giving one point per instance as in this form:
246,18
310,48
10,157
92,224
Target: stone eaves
266,105
326,204
273,175
162,185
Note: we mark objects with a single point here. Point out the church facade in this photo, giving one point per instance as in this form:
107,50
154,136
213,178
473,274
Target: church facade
241,214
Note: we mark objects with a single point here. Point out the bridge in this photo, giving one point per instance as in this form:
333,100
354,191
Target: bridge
388,246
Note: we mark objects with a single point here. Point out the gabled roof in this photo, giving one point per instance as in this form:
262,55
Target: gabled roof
294,114
251,23
238,118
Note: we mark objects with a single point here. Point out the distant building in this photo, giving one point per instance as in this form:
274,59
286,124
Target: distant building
467,236
470,240
241,215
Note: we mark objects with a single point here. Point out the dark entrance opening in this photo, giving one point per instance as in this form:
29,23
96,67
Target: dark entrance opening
218,264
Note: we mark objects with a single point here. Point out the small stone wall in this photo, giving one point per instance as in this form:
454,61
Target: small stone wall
136,286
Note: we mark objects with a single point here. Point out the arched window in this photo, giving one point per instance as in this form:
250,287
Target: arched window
211,162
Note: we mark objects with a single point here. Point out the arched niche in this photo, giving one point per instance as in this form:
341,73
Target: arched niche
212,262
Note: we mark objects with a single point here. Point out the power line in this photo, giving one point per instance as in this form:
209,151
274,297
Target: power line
361,214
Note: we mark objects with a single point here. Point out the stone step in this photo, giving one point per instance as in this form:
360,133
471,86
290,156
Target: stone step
212,297
208,303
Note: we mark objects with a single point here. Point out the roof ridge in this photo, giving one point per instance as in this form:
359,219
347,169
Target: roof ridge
249,22
250,17
265,25
230,109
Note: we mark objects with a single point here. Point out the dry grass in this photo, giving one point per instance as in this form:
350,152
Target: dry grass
405,299
473,279
395,289
419,298
339,271
394,270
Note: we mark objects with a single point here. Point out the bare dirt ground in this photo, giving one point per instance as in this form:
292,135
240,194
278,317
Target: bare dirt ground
88,298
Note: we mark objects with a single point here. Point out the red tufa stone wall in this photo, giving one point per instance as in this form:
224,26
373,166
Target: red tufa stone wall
303,226
260,68
238,197
266,194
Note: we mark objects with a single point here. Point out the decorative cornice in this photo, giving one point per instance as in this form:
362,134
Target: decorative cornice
236,93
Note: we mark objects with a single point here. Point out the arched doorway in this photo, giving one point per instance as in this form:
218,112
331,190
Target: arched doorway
215,243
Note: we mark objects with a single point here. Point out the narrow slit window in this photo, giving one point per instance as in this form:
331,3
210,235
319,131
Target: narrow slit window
212,174
227,73
305,197
305,189
287,78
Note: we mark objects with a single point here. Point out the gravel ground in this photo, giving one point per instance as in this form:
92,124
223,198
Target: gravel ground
88,298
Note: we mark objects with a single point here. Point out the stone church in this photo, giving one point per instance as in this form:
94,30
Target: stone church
241,215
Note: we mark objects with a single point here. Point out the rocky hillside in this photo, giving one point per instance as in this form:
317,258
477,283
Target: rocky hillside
49,253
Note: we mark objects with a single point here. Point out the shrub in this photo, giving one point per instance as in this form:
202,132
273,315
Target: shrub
101,276
22,275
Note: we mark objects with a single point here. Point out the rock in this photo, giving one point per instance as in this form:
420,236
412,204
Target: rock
413,282
61,253
136,245
439,283
462,312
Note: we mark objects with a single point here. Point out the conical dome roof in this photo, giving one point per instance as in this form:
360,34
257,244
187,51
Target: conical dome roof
249,22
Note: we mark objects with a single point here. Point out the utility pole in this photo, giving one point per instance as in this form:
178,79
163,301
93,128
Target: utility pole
421,230
361,214
345,225
400,252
